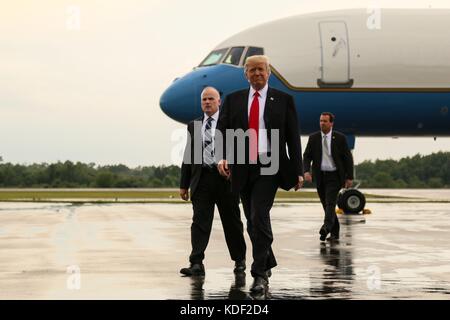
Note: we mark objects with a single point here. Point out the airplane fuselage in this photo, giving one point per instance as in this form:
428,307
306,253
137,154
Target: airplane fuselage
387,77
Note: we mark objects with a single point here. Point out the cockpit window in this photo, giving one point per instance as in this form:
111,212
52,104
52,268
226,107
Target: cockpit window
234,56
230,56
253,51
214,57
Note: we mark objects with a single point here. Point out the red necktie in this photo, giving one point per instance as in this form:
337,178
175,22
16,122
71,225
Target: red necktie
253,123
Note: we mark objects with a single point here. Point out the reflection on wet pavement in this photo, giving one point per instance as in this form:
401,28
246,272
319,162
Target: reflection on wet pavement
238,288
197,291
133,251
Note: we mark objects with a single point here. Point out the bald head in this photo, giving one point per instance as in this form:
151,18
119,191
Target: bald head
211,90
210,100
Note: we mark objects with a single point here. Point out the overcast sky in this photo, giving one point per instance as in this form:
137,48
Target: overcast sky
89,90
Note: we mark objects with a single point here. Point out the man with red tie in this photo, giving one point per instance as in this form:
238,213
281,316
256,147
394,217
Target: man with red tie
269,119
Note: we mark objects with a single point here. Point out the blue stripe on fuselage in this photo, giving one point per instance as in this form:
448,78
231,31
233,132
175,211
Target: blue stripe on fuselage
371,113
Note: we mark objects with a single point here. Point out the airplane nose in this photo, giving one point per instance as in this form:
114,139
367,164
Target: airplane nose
165,105
180,101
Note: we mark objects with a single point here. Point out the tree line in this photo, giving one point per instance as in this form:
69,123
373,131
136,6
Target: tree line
80,175
431,171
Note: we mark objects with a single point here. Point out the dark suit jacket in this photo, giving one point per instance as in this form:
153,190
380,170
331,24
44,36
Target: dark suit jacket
279,113
340,153
190,170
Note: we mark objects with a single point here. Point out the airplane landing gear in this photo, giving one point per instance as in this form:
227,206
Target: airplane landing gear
351,200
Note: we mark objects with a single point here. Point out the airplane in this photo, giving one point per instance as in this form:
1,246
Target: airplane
383,73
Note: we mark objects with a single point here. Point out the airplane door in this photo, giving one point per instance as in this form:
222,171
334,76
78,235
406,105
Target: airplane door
335,55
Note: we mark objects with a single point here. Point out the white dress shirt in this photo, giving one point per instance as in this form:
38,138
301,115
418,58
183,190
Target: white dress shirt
327,161
263,141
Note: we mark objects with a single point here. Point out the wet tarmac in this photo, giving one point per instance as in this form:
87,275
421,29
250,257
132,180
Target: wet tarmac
135,251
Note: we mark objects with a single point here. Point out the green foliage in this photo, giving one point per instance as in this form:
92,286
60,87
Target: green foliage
80,175
104,179
432,171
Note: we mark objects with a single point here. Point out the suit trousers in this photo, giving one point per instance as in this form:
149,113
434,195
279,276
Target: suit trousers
213,190
328,189
257,197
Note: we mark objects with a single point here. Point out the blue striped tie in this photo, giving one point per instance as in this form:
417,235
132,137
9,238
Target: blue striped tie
208,147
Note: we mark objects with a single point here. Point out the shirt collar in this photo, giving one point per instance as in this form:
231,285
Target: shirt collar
262,92
328,134
215,116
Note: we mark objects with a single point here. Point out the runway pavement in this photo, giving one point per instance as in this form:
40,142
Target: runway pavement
135,251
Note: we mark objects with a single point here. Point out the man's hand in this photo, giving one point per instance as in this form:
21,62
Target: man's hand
223,168
348,183
184,194
308,177
299,183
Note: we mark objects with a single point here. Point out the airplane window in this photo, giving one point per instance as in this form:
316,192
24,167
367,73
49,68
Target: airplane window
234,56
214,57
254,51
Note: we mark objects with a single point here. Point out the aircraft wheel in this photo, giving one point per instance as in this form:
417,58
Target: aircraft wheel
351,201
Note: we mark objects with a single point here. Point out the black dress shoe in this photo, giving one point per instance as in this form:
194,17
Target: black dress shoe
323,233
196,269
239,280
239,266
259,285
333,238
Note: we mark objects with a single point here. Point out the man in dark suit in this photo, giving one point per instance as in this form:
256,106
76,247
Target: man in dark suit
209,188
270,119
332,169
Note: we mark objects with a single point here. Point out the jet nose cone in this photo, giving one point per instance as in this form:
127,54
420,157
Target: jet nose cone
165,105
180,101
